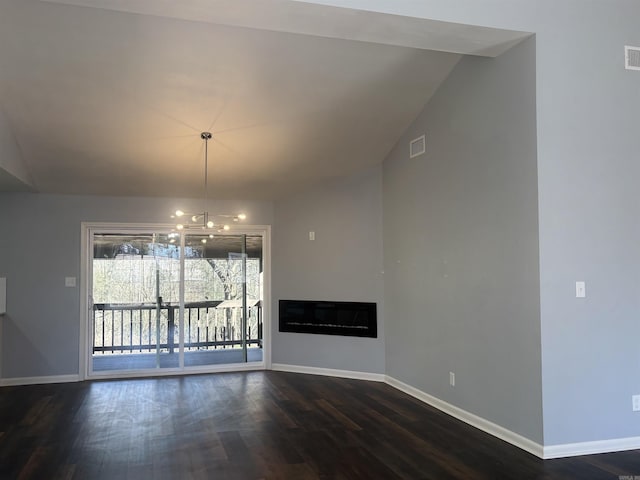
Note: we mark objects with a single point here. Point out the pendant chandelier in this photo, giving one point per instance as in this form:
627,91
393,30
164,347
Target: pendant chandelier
205,221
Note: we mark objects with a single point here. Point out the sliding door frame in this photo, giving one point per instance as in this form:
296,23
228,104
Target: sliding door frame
86,307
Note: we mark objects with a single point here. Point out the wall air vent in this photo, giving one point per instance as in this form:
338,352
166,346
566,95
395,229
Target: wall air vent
417,147
632,58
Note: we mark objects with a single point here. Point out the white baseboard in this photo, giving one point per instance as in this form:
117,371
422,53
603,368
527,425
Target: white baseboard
591,448
329,372
10,382
469,418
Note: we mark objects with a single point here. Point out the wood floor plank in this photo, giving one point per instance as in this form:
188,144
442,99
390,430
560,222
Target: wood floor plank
258,425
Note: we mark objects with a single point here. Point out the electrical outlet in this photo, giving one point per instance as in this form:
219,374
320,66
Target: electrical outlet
452,380
635,403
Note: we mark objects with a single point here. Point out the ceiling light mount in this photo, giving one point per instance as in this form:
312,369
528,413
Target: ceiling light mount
205,220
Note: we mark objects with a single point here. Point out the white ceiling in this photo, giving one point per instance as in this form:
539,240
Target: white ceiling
111,101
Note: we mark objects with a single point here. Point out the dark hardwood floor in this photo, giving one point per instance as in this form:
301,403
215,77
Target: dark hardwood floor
257,425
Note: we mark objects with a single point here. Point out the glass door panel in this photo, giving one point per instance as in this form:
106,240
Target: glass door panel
135,301
223,299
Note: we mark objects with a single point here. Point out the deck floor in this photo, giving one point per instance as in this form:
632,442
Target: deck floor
147,361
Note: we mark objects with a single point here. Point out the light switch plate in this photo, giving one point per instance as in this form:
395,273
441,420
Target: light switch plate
581,289
69,281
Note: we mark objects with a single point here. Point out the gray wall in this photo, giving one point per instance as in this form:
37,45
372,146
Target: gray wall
40,247
588,112
461,245
344,263
13,172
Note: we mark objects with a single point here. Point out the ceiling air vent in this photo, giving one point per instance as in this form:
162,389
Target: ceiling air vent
417,147
632,58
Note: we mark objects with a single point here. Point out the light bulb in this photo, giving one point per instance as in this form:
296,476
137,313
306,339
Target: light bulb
179,226
204,240
210,224
211,235
242,216
194,218
179,213
226,227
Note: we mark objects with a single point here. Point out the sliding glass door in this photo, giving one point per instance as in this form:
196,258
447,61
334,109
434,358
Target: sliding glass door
162,301
135,301
223,299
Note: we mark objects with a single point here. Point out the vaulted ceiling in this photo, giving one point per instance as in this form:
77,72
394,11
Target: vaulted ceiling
109,97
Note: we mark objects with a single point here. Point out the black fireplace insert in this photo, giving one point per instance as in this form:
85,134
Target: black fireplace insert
354,319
